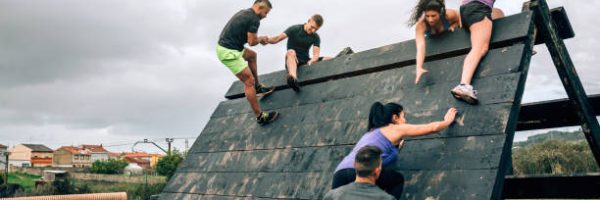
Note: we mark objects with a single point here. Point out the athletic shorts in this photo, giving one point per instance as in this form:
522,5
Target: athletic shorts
301,62
474,12
232,59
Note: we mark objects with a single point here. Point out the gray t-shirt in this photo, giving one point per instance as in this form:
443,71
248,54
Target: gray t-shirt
300,41
235,33
358,191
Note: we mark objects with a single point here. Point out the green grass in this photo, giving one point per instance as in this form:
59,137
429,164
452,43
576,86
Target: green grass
26,181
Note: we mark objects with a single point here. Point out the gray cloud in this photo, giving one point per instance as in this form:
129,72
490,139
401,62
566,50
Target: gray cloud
115,71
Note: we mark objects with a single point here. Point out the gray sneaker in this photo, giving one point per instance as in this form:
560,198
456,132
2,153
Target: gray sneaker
466,93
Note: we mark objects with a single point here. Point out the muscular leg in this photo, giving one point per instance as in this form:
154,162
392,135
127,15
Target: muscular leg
250,56
481,33
292,63
247,78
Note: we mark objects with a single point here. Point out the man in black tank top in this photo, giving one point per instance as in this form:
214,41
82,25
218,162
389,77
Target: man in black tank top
301,38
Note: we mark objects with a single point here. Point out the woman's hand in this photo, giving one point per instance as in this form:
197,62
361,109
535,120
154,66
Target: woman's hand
450,115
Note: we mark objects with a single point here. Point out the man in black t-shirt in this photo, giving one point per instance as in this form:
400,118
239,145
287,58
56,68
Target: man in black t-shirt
300,38
242,29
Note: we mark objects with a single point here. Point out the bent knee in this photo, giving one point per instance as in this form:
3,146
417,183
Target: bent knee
291,53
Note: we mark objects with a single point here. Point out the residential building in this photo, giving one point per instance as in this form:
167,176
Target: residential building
71,156
151,158
97,152
30,155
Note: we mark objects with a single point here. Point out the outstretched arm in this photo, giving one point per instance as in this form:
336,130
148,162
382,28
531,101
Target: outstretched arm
411,130
420,42
277,39
253,40
316,54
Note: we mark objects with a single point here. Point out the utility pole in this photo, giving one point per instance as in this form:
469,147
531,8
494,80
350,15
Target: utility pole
6,154
186,146
169,141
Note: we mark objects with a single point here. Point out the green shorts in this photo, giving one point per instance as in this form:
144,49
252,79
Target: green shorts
232,58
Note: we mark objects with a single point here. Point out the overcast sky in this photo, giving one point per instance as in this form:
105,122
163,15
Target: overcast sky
117,71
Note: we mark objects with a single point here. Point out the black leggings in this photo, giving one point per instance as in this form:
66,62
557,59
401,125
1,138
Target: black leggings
389,180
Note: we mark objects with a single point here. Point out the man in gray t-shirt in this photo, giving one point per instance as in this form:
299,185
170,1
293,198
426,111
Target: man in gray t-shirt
301,38
368,167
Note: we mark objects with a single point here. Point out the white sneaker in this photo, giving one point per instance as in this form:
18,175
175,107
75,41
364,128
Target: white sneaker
466,93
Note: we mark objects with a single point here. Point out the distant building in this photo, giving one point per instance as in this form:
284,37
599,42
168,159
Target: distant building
30,155
96,151
140,158
70,156
3,160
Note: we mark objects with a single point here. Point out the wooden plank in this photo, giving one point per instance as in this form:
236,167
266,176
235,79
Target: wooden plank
442,153
456,153
473,121
447,72
448,184
563,25
292,160
552,187
568,75
187,196
553,114
263,185
506,156
509,30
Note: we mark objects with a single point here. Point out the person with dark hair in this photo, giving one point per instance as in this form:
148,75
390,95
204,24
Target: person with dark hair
476,17
386,130
368,169
430,18
242,29
300,39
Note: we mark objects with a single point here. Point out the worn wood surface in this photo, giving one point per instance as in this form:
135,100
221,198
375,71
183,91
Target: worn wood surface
295,157
508,30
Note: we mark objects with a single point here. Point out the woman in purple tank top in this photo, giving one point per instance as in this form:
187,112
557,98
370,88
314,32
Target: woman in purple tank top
387,128
476,17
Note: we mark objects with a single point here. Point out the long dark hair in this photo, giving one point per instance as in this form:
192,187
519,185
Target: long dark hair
425,5
381,115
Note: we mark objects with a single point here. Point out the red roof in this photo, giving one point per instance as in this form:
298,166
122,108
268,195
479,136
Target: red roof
2,146
74,150
137,154
94,148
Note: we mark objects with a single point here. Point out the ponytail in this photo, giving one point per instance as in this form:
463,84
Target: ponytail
381,115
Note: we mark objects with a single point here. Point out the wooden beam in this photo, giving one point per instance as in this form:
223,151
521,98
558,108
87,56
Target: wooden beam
568,75
563,24
553,114
534,187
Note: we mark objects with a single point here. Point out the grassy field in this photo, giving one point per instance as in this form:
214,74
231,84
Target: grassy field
26,181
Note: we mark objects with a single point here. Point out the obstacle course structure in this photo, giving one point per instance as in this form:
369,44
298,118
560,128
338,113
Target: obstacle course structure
294,157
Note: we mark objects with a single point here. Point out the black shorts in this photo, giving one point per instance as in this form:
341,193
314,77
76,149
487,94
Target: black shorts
474,12
301,62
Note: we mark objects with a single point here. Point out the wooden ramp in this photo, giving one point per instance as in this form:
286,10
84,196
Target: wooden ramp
294,158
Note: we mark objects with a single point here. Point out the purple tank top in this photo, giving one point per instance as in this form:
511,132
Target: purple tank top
489,3
373,138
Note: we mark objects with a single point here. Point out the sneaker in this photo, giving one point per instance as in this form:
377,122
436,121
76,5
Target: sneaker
293,83
266,118
466,93
262,90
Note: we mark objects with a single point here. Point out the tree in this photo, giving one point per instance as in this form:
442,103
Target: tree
167,165
110,166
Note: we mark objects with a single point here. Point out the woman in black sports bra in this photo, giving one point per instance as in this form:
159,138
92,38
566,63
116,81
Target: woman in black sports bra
430,18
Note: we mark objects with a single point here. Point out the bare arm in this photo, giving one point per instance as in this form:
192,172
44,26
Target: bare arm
253,40
316,54
277,39
420,41
454,19
412,130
